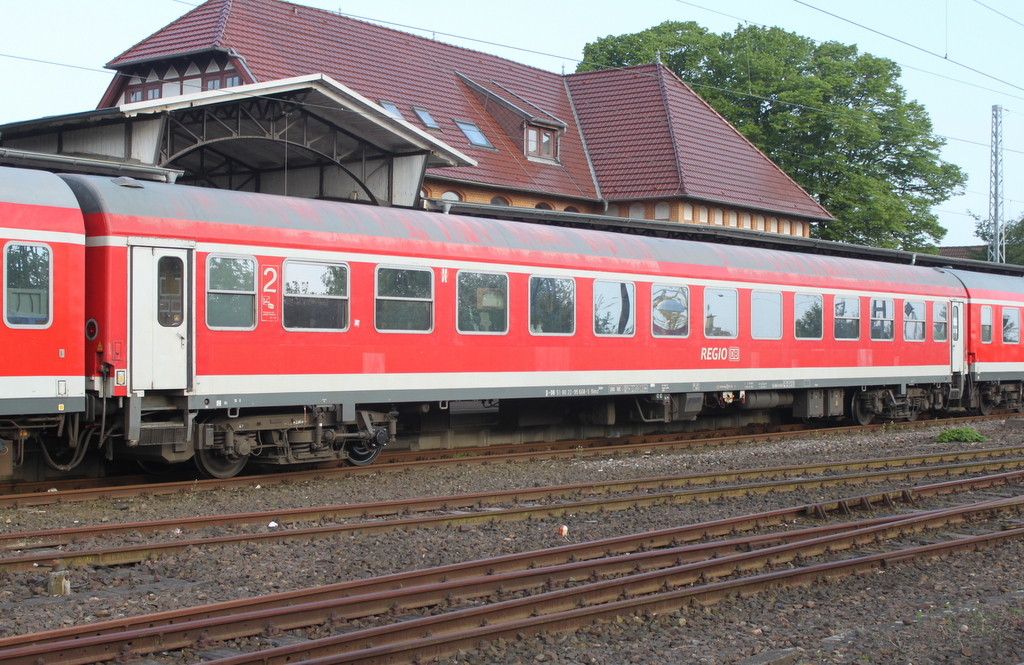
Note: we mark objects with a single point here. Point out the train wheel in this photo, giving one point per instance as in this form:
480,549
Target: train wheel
361,453
913,415
983,408
860,415
214,465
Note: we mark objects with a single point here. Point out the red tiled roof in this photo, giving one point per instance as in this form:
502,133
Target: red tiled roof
979,252
200,29
680,146
647,133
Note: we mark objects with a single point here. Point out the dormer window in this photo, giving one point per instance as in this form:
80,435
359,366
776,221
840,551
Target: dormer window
541,142
391,108
425,117
473,133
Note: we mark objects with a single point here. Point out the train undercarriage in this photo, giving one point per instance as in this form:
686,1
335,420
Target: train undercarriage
157,431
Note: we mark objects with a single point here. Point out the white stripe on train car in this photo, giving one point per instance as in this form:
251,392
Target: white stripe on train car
26,387
774,379
34,235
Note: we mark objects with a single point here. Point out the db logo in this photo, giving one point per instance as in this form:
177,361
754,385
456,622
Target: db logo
731,353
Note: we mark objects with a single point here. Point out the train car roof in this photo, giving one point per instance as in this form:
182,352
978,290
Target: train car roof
132,202
31,187
977,282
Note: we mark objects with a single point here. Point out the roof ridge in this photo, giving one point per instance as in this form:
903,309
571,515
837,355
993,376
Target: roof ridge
222,22
660,68
764,156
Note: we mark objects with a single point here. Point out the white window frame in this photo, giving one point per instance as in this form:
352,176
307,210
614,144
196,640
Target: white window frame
346,298
529,307
49,278
632,306
923,321
782,323
376,296
508,298
255,296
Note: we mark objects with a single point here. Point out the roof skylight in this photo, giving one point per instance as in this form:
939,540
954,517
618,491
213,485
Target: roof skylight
473,133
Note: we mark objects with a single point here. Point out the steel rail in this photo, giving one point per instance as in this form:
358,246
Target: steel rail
672,568
61,537
143,551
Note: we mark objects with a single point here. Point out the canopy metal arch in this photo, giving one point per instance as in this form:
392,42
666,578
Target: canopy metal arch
234,135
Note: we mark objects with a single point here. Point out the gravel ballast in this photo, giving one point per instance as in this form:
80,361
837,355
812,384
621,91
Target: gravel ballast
962,608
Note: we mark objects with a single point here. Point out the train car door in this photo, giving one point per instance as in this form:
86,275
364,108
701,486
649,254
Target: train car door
956,348
160,317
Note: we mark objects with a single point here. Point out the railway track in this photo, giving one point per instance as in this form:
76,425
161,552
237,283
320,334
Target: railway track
425,613
69,547
24,494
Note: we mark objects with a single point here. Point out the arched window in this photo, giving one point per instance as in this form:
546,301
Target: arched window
774,225
662,210
499,201
746,220
636,211
687,212
800,229
543,206
786,227
613,210
451,196
760,222
732,219
424,193
719,217
571,209
703,215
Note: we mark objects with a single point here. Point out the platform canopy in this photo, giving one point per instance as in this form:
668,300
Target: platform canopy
306,136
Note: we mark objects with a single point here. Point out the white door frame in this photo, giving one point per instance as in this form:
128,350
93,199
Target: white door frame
160,291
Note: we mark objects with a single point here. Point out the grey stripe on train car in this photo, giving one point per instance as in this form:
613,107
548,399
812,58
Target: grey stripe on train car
30,187
157,200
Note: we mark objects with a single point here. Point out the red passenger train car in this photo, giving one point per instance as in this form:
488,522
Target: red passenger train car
227,327
42,237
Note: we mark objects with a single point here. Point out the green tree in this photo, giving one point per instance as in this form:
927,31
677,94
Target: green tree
1014,239
836,120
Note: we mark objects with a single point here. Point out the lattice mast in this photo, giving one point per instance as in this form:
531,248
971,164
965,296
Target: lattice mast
997,247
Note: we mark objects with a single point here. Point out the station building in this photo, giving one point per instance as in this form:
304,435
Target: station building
265,95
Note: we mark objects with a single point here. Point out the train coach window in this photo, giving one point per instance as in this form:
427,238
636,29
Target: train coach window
913,321
720,313
883,325
27,273
986,324
670,311
614,310
315,296
766,315
1011,325
807,316
483,302
231,293
405,299
552,305
170,293
846,323
940,321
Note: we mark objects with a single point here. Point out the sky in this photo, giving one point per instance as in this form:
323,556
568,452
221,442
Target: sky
959,57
